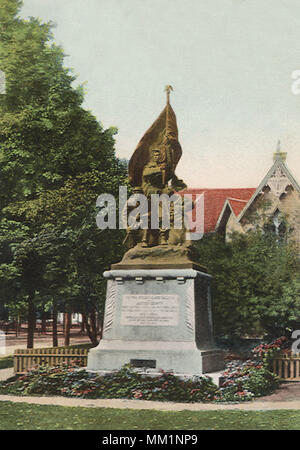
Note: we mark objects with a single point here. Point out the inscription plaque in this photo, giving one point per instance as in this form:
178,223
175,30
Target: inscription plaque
150,310
151,363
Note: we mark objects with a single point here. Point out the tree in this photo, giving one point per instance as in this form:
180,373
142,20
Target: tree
256,286
55,159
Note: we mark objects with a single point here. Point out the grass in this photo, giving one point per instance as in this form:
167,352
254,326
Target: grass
22,416
6,362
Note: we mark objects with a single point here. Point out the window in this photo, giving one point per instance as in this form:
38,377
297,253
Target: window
277,224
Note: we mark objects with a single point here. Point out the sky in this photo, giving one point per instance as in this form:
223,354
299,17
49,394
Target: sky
230,63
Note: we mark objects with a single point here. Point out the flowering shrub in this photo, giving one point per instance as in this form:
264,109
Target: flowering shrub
241,380
267,352
244,380
70,381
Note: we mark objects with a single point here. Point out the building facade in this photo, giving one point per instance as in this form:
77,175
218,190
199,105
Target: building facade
274,204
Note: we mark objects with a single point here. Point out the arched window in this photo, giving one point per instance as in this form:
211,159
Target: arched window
277,224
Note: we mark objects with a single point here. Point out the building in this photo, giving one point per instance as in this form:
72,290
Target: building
275,203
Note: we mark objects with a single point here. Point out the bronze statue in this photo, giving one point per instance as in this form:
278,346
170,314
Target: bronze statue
162,135
154,182
152,171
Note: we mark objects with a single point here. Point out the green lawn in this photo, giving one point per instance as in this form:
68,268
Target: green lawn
21,416
6,362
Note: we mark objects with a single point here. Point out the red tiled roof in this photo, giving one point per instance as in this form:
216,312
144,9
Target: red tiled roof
214,200
237,205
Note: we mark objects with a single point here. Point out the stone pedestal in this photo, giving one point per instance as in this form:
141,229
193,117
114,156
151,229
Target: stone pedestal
157,319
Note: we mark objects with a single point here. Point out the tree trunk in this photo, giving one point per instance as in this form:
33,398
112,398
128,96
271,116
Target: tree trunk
94,324
100,327
17,326
30,321
67,327
44,324
82,325
54,325
90,331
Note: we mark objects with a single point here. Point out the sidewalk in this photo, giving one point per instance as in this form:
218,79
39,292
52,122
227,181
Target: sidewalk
255,405
6,373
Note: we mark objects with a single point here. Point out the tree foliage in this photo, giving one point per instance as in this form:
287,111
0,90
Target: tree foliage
55,159
256,287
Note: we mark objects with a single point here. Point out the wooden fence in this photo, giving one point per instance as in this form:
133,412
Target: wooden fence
25,359
287,366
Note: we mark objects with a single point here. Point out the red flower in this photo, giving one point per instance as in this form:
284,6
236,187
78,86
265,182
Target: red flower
138,394
195,390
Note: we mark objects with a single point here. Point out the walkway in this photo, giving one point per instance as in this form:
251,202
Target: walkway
163,406
6,373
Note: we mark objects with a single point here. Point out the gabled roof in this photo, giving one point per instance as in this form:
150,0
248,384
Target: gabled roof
236,205
220,203
231,206
278,163
214,202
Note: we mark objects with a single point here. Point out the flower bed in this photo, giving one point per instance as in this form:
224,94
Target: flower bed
241,380
244,380
70,381
267,352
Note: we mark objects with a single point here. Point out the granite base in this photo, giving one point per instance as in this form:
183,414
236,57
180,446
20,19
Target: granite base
157,319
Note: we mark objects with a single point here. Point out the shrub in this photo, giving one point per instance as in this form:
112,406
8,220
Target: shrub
70,381
267,352
246,380
243,380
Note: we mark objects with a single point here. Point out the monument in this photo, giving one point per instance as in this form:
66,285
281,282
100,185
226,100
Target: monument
158,303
